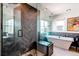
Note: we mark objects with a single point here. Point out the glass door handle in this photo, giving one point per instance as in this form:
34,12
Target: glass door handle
20,33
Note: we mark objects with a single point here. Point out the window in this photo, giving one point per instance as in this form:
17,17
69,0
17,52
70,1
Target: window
44,27
8,27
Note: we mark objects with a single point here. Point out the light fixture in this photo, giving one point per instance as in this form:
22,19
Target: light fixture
68,10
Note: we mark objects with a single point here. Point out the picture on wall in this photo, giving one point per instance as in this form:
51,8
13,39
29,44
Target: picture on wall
73,24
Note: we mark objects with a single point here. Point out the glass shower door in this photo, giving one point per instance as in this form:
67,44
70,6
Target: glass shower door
8,44
12,33
0,29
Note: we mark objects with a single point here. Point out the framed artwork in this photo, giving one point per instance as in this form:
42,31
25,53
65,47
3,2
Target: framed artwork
73,24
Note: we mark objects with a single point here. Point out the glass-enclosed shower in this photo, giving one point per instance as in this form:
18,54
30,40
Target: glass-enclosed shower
24,29
19,29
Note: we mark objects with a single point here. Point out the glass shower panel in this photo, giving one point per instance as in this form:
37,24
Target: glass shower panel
8,30
0,29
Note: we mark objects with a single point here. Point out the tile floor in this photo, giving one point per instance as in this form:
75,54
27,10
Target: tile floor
63,52
57,52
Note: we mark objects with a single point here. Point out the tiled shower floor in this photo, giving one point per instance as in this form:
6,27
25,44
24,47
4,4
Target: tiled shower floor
33,52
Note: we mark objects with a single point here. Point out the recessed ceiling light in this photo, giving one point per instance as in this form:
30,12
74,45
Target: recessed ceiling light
68,10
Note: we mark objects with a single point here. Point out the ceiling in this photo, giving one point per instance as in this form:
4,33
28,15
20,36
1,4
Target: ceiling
63,8
70,9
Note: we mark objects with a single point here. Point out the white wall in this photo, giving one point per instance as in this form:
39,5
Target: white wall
59,24
61,20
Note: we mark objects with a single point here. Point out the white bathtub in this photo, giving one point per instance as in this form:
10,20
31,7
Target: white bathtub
62,42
